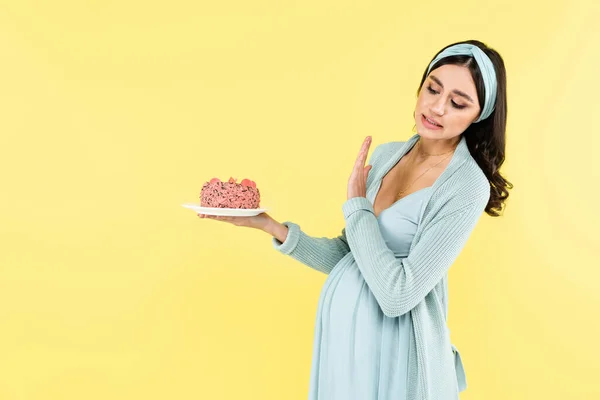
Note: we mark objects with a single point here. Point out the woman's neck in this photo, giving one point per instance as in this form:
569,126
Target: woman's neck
435,149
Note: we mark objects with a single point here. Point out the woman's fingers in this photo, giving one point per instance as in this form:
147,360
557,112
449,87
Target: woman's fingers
362,154
217,217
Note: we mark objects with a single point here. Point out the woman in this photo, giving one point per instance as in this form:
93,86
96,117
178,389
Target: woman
381,328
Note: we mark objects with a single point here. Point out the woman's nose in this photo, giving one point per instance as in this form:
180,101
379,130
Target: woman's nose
438,107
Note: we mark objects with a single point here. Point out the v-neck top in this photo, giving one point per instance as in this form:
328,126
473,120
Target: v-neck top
399,221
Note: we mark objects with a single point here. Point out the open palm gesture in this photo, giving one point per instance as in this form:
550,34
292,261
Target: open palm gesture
357,184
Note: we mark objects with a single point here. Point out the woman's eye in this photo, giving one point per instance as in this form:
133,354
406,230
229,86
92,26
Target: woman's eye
455,105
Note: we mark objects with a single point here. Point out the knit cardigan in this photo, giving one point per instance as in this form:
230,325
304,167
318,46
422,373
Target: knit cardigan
416,284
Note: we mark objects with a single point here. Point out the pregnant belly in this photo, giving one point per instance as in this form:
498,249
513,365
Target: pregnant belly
355,332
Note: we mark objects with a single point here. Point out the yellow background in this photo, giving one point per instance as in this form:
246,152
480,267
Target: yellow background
113,114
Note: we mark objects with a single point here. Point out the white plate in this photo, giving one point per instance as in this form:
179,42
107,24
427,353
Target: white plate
231,212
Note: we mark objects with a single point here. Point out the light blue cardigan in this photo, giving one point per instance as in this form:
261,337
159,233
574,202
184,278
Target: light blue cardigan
416,284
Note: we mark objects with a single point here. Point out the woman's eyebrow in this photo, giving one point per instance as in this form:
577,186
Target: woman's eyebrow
458,92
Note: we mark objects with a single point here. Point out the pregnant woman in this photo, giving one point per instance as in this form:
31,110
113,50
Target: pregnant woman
381,331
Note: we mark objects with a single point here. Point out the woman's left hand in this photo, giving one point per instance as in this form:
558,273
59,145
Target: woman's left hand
357,184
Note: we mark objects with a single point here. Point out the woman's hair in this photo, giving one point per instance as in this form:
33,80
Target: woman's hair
486,139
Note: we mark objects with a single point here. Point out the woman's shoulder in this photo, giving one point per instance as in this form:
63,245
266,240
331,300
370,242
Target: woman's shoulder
385,150
473,177
392,145
469,177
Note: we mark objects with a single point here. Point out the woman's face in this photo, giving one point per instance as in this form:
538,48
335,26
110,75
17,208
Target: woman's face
449,98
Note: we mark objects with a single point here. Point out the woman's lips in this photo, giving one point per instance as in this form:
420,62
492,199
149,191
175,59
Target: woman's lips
429,124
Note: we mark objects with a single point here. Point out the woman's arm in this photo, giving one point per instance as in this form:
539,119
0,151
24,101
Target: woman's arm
400,284
319,253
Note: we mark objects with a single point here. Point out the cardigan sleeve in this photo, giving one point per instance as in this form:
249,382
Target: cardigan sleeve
399,284
319,253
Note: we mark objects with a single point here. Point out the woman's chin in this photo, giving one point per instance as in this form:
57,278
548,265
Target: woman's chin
429,133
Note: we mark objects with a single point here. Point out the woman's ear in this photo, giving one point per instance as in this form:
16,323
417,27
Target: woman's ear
414,129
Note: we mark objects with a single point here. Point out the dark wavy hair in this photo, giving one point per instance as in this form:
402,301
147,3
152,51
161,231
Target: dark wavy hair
486,139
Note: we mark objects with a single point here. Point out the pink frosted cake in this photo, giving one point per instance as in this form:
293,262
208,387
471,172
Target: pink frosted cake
230,194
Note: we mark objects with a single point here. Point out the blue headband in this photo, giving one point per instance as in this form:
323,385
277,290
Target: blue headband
485,66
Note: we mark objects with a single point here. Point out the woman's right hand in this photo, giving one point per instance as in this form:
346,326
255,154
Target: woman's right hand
260,221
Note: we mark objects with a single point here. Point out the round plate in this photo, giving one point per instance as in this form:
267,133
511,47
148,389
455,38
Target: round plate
232,212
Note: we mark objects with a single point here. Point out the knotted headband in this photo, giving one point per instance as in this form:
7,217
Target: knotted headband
485,66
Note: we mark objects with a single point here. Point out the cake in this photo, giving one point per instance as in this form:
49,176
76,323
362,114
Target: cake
218,194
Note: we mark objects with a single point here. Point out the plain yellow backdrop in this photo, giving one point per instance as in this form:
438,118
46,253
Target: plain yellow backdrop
114,113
